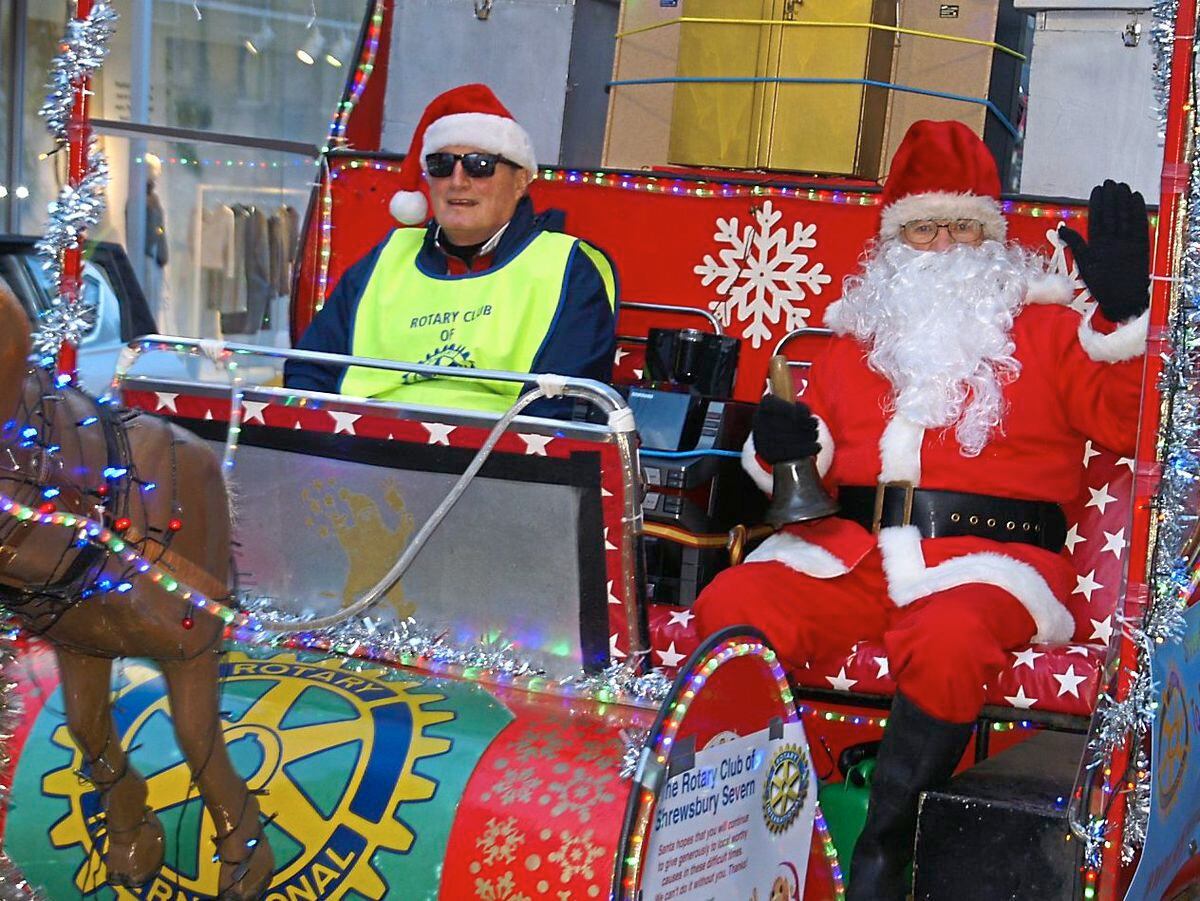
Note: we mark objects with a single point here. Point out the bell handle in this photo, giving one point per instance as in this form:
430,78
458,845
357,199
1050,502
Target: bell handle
779,376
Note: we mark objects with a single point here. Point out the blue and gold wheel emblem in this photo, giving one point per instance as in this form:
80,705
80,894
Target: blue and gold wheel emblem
785,787
333,749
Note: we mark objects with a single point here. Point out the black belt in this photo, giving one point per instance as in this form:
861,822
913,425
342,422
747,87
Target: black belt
952,514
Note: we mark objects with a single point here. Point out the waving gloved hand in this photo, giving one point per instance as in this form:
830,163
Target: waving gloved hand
784,430
1115,259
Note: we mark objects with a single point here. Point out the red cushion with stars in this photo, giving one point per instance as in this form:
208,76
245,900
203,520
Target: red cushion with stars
1061,679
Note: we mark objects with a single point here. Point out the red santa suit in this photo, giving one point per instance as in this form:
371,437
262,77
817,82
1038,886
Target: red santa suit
947,609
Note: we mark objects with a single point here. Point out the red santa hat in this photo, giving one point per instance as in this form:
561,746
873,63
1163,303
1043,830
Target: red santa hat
469,115
942,170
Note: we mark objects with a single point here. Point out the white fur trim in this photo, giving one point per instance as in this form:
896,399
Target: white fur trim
944,205
830,316
802,556
900,451
909,580
760,475
1050,288
825,454
493,134
409,207
1125,343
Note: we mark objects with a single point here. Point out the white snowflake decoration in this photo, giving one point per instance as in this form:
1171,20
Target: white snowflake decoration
1082,301
762,275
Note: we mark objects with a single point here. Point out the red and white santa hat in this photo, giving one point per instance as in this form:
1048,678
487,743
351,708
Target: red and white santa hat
942,170
469,115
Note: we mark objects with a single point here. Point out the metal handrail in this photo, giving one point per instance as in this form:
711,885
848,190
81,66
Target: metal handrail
672,308
604,397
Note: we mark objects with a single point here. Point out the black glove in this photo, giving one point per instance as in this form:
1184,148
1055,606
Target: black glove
784,431
1115,260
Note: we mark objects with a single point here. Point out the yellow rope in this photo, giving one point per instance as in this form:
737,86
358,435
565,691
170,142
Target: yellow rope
685,20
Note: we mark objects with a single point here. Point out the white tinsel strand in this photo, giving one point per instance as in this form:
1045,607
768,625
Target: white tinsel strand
492,658
78,208
635,741
82,51
13,886
1162,36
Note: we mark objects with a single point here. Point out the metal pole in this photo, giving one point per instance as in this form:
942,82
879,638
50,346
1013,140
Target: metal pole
141,21
14,170
79,137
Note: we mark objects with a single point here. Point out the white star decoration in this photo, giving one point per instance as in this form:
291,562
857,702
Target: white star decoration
612,598
439,433
1085,585
1102,629
637,373
1126,461
669,657
253,410
682,617
1073,538
1020,700
296,426
1115,543
622,353
613,651
1088,453
1068,682
208,415
1026,657
882,663
840,682
1078,649
608,545
166,401
535,445
1100,498
344,422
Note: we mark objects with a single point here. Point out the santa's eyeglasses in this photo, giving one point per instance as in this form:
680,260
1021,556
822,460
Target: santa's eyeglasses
924,231
476,165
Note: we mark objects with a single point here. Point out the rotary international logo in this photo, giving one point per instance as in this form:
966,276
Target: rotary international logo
785,787
332,748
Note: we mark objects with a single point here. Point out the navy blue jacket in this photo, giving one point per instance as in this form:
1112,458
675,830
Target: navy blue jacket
582,337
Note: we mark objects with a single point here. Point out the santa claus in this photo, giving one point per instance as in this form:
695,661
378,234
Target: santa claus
949,412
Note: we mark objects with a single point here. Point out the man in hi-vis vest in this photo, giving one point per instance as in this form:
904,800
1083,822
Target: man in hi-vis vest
487,284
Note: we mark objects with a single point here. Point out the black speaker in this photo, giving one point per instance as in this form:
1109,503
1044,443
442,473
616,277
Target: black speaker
691,359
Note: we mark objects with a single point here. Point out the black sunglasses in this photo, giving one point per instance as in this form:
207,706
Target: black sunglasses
476,165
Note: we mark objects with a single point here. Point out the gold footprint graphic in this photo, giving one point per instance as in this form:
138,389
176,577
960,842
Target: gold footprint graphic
370,544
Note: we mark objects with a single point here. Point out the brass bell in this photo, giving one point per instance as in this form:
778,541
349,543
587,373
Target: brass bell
797,495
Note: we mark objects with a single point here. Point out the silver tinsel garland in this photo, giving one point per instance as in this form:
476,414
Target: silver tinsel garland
78,208
1128,722
495,659
13,886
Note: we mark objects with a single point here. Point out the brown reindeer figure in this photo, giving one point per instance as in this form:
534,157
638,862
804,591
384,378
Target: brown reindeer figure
161,489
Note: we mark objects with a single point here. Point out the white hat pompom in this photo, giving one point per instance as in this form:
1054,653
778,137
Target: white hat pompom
409,207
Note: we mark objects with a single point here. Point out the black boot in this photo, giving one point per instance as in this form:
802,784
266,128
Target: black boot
917,752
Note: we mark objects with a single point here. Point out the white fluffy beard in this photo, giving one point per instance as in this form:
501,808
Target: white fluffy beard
937,325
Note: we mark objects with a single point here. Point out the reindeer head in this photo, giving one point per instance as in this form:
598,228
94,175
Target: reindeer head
14,351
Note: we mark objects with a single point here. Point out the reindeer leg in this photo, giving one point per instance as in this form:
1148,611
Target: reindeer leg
134,850
247,863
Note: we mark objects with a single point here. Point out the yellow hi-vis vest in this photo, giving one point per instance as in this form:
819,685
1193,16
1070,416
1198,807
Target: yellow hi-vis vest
496,319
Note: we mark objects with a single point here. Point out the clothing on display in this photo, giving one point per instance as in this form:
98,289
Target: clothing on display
246,260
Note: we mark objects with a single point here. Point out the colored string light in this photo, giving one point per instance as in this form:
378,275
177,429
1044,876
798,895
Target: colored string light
362,75
229,163
654,761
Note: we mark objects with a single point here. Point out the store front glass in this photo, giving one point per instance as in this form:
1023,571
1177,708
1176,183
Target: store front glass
215,123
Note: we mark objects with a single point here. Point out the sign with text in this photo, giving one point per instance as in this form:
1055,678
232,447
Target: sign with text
736,823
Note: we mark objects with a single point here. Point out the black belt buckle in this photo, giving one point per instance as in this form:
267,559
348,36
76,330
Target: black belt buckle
880,491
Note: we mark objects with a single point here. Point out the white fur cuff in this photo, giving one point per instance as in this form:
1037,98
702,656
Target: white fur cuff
1126,342
762,476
